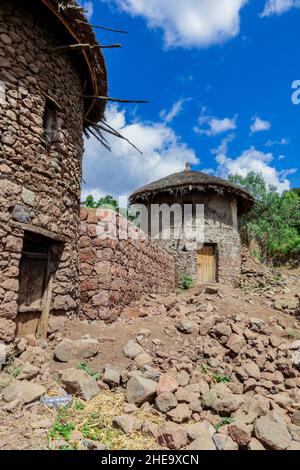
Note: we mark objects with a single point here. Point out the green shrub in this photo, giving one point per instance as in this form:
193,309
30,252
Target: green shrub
187,281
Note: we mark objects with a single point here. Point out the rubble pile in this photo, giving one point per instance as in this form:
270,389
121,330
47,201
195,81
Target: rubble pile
218,382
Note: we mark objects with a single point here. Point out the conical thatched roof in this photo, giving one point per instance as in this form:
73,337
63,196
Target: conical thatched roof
184,182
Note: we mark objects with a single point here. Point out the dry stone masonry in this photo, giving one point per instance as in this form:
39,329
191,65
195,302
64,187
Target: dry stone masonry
116,271
41,147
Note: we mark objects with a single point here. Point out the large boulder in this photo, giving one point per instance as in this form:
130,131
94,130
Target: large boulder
83,348
140,390
79,383
25,391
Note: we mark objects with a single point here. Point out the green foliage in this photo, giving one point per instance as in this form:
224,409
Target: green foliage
274,221
90,433
223,422
16,372
220,378
187,281
110,203
78,405
84,366
61,427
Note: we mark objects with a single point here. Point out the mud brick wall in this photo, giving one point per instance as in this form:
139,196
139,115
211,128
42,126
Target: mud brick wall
38,186
115,271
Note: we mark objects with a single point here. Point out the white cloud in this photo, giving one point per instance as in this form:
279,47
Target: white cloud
277,7
176,109
254,160
187,23
211,126
259,125
122,170
89,8
282,141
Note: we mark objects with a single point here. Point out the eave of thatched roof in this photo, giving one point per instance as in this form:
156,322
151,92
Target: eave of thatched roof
72,20
185,182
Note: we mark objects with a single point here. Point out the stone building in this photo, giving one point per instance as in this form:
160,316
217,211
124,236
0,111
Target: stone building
209,205
43,113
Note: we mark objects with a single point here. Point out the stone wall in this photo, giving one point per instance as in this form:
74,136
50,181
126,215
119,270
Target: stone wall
220,229
39,185
117,270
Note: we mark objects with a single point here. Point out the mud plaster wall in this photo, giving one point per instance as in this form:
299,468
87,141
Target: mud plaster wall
37,186
220,229
115,271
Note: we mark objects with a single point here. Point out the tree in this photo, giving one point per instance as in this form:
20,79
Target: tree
109,202
274,221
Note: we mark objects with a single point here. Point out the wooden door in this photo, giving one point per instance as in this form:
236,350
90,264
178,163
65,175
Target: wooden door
32,286
207,264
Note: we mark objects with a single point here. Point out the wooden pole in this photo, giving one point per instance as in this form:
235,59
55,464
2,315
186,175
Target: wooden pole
72,47
103,27
116,100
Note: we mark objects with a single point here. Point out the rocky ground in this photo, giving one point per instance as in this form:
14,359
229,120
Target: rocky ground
209,368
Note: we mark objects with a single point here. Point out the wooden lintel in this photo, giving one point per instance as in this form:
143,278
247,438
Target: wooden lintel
41,231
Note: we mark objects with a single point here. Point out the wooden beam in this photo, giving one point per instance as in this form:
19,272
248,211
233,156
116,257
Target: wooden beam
41,231
116,100
103,27
74,47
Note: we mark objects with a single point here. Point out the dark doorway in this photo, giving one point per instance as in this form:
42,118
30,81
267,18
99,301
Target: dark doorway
34,284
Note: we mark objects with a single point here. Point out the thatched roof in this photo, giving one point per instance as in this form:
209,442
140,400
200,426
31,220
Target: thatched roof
73,24
182,183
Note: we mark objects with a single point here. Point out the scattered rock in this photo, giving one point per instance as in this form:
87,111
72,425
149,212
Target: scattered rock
196,430
273,435
140,390
180,414
165,402
203,442
132,349
25,391
172,435
125,423
167,383
83,348
235,343
240,434
79,383
112,375
224,442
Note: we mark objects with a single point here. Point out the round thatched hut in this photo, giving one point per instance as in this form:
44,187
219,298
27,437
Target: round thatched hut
46,70
210,207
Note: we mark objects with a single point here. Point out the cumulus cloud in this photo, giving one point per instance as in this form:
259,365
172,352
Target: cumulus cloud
188,23
122,170
252,160
211,126
278,7
259,125
176,109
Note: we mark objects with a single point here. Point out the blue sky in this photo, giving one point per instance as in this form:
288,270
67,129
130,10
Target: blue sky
218,74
